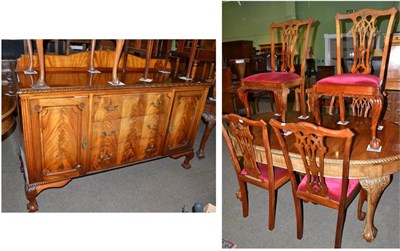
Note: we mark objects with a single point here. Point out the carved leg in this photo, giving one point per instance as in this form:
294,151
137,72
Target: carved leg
118,50
92,50
374,188
30,51
31,194
281,102
186,163
31,191
242,92
376,112
39,46
210,123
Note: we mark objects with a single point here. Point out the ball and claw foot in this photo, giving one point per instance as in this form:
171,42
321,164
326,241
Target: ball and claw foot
32,206
375,143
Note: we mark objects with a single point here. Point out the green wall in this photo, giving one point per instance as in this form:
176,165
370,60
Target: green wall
251,20
324,18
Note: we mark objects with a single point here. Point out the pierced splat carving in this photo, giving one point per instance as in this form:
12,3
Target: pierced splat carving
363,32
311,148
244,139
361,106
290,35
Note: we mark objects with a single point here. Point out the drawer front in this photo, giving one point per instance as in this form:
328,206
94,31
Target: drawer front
103,157
105,133
142,127
107,107
146,104
110,107
139,149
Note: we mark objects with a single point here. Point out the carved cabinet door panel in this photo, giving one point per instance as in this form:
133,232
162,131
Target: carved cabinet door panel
58,128
185,116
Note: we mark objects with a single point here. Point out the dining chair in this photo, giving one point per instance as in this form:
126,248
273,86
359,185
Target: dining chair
314,186
359,82
184,53
239,140
292,39
141,48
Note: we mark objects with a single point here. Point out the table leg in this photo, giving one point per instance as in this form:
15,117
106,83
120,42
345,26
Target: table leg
280,97
374,188
30,69
210,123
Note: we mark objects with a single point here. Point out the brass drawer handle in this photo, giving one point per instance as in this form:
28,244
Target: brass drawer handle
110,107
108,134
150,149
158,104
170,130
102,158
155,126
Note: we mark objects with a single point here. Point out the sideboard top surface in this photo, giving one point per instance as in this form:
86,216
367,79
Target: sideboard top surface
61,80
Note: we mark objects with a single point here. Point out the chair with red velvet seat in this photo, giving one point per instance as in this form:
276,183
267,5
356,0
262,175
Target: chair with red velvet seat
280,81
242,133
310,143
359,82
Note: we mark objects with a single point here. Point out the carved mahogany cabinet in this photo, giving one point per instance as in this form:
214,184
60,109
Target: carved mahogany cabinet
82,125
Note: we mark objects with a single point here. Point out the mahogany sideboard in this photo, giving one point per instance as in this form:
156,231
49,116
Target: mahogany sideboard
82,125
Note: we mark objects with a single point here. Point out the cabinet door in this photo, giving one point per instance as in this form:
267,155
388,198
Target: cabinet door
58,129
185,116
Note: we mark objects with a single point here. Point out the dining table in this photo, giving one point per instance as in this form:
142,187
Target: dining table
373,169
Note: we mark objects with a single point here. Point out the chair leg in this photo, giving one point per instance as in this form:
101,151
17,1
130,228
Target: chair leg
272,207
339,227
243,197
361,200
299,218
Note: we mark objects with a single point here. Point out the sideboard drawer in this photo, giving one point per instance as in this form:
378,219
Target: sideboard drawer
139,149
107,107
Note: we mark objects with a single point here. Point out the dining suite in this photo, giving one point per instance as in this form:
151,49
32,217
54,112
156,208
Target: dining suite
370,161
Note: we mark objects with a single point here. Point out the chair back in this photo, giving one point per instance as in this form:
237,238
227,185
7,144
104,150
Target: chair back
310,143
365,35
239,141
290,41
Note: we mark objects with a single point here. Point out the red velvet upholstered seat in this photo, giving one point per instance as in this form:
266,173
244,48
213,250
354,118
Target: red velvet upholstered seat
279,172
354,79
334,187
272,77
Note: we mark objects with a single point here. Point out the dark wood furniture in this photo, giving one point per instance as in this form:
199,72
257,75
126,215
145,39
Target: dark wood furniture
360,82
230,97
82,125
236,50
324,71
266,176
392,84
280,81
373,169
8,102
315,186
